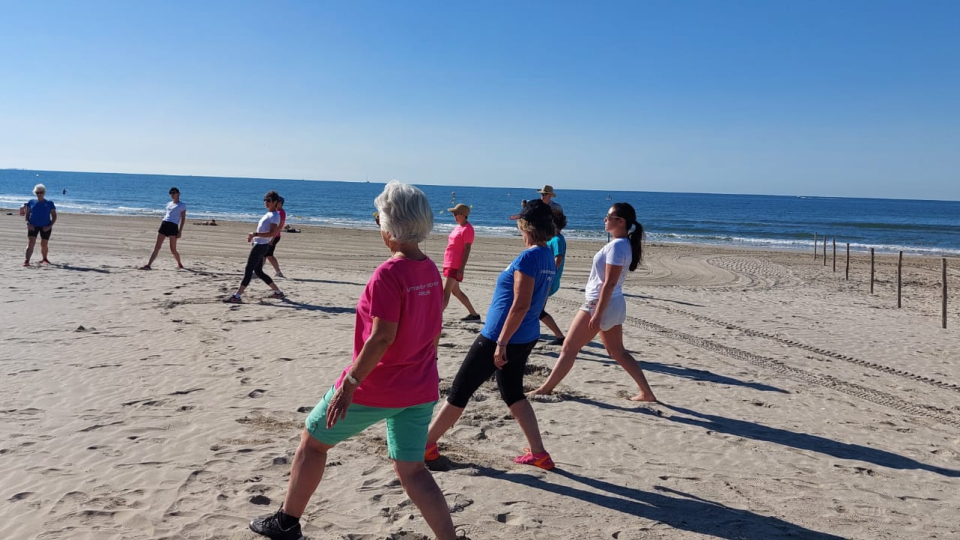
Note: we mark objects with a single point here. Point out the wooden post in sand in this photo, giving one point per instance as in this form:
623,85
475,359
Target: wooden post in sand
834,254
815,246
872,273
899,280
848,262
824,250
943,305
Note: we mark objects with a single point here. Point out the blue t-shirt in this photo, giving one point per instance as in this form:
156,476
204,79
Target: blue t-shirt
538,263
559,246
40,212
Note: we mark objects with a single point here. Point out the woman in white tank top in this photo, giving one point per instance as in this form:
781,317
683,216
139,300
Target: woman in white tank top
605,309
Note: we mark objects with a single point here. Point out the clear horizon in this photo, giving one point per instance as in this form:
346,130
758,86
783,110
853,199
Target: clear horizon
819,99
532,187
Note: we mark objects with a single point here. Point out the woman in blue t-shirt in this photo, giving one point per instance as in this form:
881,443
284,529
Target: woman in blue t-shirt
605,309
508,337
40,214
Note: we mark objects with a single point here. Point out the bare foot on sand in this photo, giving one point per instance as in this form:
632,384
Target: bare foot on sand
646,398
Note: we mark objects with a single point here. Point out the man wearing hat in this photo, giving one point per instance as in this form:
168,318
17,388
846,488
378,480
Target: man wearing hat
455,260
546,195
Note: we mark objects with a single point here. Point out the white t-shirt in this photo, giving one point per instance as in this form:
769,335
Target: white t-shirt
264,226
616,253
174,209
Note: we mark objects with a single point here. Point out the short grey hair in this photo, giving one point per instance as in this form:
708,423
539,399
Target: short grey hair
405,213
39,187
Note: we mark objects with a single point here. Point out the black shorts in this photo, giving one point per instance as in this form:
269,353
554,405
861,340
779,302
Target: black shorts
44,234
273,245
169,228
478,366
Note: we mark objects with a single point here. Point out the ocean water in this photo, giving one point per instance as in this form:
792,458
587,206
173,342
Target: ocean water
779,222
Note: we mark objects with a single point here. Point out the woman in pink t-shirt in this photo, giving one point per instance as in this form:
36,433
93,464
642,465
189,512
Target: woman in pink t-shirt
455,260
393,375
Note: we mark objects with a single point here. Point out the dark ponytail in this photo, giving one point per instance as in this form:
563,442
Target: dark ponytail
626,211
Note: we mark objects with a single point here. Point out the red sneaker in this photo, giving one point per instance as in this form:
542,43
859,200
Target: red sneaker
26,263
432,453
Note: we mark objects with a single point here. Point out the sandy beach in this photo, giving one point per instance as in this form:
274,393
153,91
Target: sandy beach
795,404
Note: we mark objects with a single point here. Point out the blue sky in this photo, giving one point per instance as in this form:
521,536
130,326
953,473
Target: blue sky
833,98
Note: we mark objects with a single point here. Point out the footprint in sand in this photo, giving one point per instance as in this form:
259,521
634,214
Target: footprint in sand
256,393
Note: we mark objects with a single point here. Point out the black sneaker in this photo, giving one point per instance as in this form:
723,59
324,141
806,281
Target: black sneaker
269,526
471,318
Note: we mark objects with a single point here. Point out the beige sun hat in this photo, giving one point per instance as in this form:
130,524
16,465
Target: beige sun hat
460,209
547,189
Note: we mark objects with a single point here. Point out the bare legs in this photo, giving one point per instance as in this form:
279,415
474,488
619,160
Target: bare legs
577,337
547,319
423,490
307,471
613,341
276,266
452,286
305,474
31,242
521,410
156,251
43,248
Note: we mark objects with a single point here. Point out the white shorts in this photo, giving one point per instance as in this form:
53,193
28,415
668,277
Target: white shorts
615,314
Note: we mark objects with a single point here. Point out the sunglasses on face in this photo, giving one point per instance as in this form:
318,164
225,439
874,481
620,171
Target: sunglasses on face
611,216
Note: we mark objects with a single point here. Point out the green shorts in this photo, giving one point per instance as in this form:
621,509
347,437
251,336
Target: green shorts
406,426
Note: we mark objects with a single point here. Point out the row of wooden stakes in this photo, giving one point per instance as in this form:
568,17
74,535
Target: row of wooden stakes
943,306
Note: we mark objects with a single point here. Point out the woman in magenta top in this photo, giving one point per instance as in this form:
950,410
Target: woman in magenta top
455,260
393,375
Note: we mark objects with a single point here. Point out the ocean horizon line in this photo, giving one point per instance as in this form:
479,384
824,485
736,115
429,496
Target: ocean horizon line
533,187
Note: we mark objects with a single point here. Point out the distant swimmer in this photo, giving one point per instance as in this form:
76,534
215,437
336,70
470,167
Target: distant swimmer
64,191
170,227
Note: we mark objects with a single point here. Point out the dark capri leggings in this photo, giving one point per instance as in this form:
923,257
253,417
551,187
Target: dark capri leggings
255,265
478,366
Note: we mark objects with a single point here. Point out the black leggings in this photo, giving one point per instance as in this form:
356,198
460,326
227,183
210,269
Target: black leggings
255,265
478,366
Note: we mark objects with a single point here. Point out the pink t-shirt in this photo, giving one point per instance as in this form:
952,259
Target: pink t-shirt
409,293
283,219
460,236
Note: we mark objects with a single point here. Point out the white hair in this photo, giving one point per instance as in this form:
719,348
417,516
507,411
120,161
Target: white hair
405,212
39,187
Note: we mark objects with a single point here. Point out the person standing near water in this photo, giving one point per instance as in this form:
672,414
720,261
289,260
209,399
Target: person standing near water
41,215
455,260
605,309
547,195
266,230
171,227
276,240
558,244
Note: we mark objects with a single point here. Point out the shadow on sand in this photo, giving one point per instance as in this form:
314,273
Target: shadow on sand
802,441
677,509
